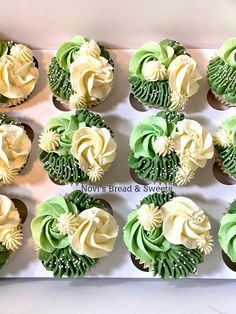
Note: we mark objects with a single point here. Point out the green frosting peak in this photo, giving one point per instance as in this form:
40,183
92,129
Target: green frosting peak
68,52
228,52
3,48
227,233
44,225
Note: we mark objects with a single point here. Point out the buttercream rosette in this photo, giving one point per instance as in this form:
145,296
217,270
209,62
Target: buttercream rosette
227,233
15,147
18,73
81,74
225,146
166,147
169,234
163,75
11,232
72,233
221,73
76,148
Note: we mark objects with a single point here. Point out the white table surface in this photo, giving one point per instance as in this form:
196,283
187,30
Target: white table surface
116,296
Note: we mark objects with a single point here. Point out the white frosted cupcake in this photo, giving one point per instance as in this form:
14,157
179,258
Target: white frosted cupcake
18,73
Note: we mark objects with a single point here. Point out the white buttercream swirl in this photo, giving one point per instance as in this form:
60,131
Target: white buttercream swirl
22,53
154,71
193,144
15,145
90,48
17,79
184,222
94,148
183,75
91,77
96,233
10,229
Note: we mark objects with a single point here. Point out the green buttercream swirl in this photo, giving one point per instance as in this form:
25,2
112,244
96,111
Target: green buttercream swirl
5,119
227,232
149,52
61,165
68,52
222,79
44,226
4,255
228,52
143,159
144,135
155,93
65,262
146,245
3,48
227,159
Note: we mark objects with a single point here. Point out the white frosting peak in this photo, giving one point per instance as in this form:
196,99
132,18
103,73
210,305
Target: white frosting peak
154,70
163,145
150,216
49,141
67,223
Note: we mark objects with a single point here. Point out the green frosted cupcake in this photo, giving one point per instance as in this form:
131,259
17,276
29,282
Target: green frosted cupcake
163,75
81,74
225,146
169,234
15,147
167,147
18,73
227,236
72,233
222,73
76,148
11,232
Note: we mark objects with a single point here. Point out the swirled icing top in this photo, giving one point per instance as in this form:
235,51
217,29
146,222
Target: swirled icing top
45,225
18,73
230,126
184,222
96,233
83,136
193,144
144,135
228,52
10,228
88,69
163,75
176,240
227,232
72,233
95,150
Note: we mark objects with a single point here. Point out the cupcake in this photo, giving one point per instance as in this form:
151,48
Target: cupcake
225,146
72,233
169,235
222,73
227,236
163,75
11,233
81,74
15,147
18,73
77,148
166,147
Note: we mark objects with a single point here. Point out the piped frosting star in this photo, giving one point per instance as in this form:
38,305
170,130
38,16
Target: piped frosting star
205,243
222,138
150,216
67,223
163,145
49,141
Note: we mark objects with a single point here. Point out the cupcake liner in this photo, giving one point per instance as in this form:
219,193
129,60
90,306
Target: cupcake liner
228,262
141,265
222,100
222,168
